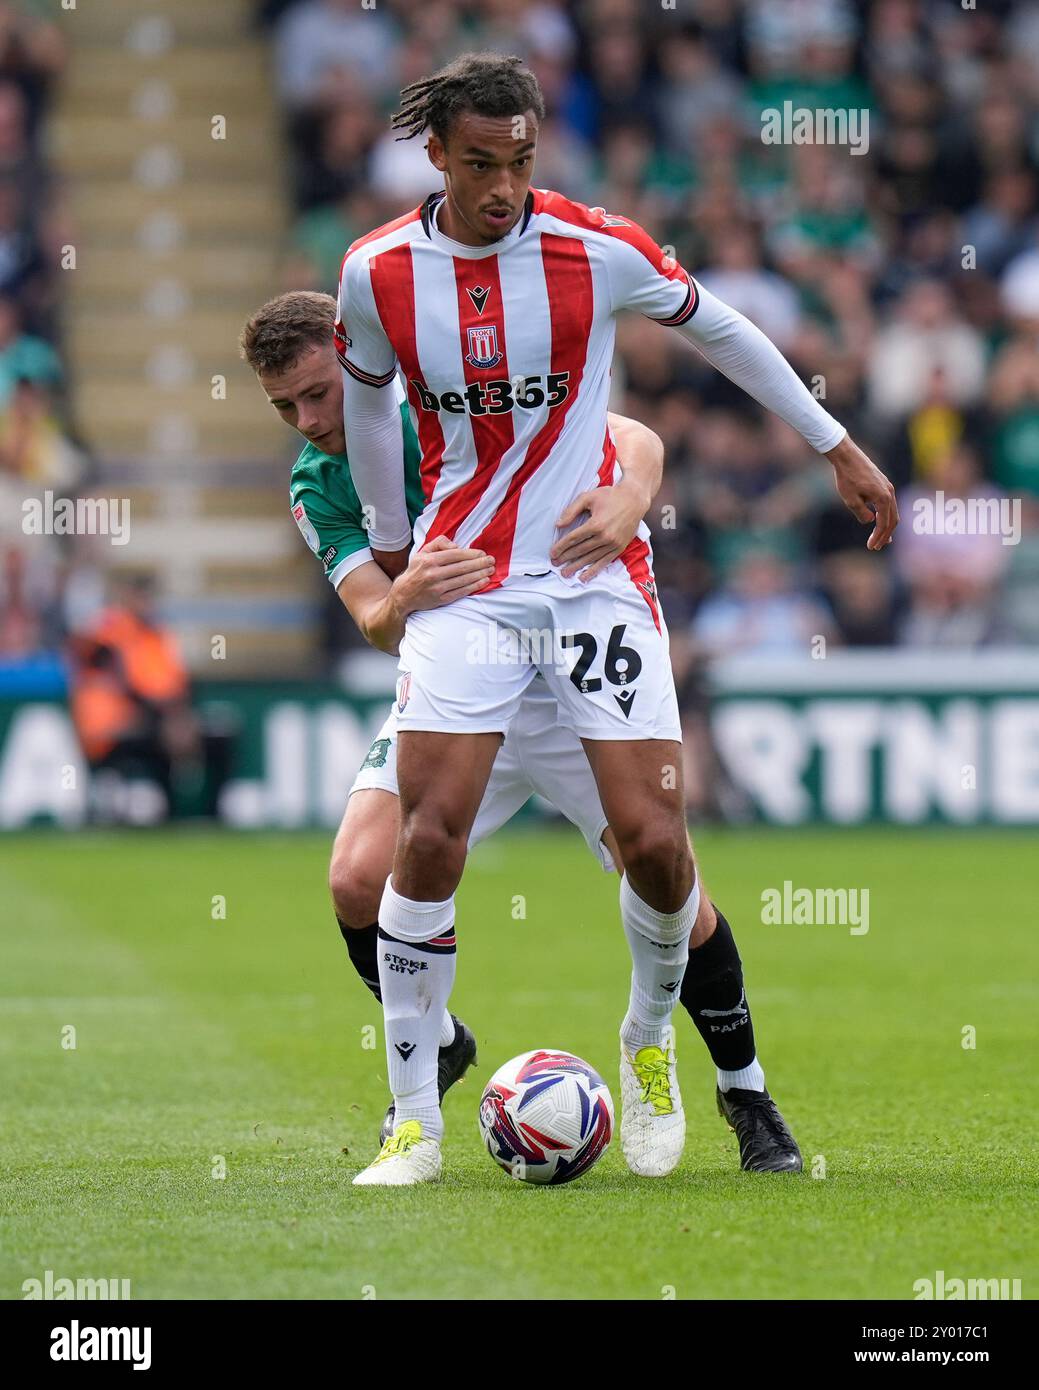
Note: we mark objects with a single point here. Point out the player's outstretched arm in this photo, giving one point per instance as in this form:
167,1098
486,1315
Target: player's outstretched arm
613,512
645,278
438,574
747,357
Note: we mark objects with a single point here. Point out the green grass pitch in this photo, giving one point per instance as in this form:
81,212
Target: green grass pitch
242,1040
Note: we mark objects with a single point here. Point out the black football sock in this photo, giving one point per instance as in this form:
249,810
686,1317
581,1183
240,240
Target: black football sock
713,994
363,945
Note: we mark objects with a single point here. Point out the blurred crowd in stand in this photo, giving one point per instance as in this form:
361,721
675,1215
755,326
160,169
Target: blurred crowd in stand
899,274
901,280
44,581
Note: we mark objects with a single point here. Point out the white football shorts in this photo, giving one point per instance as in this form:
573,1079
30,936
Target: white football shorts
539,757
602,649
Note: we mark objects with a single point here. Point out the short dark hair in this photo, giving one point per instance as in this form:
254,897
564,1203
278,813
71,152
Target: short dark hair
279,333
489,84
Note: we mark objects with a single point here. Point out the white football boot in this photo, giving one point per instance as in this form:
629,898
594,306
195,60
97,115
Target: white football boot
652,1118
405,1159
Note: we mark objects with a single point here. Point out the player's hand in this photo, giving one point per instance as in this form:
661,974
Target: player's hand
613,516
865,491
441,572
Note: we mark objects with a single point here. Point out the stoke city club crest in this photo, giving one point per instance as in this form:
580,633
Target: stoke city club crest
483,346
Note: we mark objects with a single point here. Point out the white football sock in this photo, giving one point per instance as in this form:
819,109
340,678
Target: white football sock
447,1030
416,973
659,943
749,1078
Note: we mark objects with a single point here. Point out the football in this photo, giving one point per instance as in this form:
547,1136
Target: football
546,1116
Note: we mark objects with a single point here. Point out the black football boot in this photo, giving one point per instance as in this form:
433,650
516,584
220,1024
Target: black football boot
766,1144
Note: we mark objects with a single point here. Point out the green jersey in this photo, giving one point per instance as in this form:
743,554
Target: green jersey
328,512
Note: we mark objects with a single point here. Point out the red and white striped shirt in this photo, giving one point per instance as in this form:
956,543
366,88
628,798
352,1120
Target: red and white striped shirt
505,351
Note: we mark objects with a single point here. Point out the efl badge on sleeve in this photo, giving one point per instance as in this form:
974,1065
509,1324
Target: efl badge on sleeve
403,691
303,522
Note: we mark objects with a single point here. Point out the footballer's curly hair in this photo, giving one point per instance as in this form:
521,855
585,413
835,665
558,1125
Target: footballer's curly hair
489,84
283,329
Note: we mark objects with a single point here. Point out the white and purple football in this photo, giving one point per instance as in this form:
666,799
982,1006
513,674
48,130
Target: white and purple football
546,1116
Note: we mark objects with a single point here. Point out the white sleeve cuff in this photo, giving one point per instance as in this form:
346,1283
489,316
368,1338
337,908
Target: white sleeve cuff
348,564
742,352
